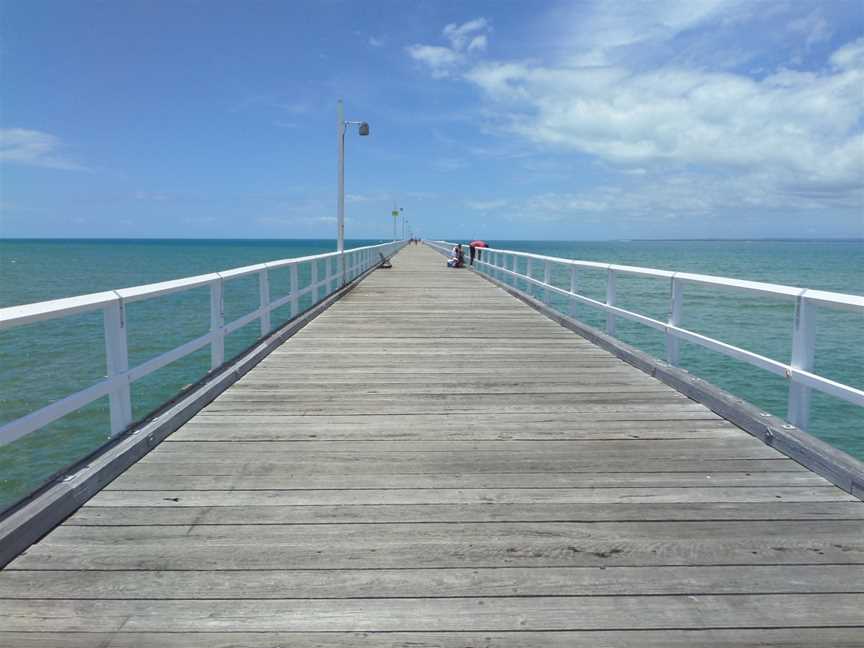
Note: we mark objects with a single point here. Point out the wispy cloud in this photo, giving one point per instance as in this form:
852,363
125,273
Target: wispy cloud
813,27
465,39
35,148
467,35
376,42
486,205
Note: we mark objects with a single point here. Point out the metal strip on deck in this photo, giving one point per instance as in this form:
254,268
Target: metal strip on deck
431,462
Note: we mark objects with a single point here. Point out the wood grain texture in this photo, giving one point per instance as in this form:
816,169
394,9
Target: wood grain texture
709,638
430,462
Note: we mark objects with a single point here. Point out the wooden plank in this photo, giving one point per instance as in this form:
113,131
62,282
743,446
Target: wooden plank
708,638
433,545
356,448
450,513
426,614
416,583
442,463
391,430
165,480
441,495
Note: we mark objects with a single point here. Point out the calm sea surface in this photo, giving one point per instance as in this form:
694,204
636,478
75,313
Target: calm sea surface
43,362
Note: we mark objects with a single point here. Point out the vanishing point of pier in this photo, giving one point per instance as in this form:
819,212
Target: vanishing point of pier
430,461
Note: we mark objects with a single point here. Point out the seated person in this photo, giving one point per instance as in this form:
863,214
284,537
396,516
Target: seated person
457,258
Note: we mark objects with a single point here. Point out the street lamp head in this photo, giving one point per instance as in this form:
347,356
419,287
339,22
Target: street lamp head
363,128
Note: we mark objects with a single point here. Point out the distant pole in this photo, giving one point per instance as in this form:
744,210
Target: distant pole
340,204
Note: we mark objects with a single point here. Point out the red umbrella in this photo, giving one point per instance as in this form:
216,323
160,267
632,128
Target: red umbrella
477,244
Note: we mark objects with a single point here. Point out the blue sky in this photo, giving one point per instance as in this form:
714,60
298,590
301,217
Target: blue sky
520,120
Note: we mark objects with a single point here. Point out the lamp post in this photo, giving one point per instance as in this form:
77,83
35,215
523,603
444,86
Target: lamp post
341,127
395,213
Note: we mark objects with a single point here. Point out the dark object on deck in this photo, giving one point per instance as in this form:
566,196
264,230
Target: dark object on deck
475,246
384,262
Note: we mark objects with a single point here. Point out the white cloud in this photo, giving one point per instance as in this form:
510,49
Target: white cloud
440,60
376,42
787,138
460,35
465,39
803,126
850,56
814,28
649,196
602,32
478,44
34,148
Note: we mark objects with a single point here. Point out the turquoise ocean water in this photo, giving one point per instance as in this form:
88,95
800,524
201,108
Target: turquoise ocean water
43,362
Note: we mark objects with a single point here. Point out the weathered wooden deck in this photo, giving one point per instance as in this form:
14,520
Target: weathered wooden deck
433,463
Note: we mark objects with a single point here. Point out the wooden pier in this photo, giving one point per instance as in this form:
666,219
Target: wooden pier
431,462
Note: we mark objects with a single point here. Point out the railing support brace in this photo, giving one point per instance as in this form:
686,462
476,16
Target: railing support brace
547,269
610,301
217,322
803,351
117,364
264,294
673,344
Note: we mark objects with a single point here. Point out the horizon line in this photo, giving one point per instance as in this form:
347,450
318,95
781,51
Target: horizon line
377,238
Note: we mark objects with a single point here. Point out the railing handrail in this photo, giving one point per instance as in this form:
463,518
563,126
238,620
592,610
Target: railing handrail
799,371
340,266
12,316
823,296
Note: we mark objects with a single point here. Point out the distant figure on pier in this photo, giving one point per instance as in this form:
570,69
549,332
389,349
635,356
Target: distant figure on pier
457,257
475,247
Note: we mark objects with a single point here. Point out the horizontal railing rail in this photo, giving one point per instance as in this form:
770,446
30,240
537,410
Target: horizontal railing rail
339,270
500,263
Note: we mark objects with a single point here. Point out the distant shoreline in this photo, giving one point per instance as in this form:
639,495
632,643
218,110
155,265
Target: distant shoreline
615,240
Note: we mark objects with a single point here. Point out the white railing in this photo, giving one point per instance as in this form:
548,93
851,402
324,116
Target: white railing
503,263
340,269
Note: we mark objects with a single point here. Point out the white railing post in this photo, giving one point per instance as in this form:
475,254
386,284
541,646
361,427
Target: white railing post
334,273
117,364
803,352
573,287
295,284
546,279
673,344
313,281
610,301
528,287
515,271
217,322
264,299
